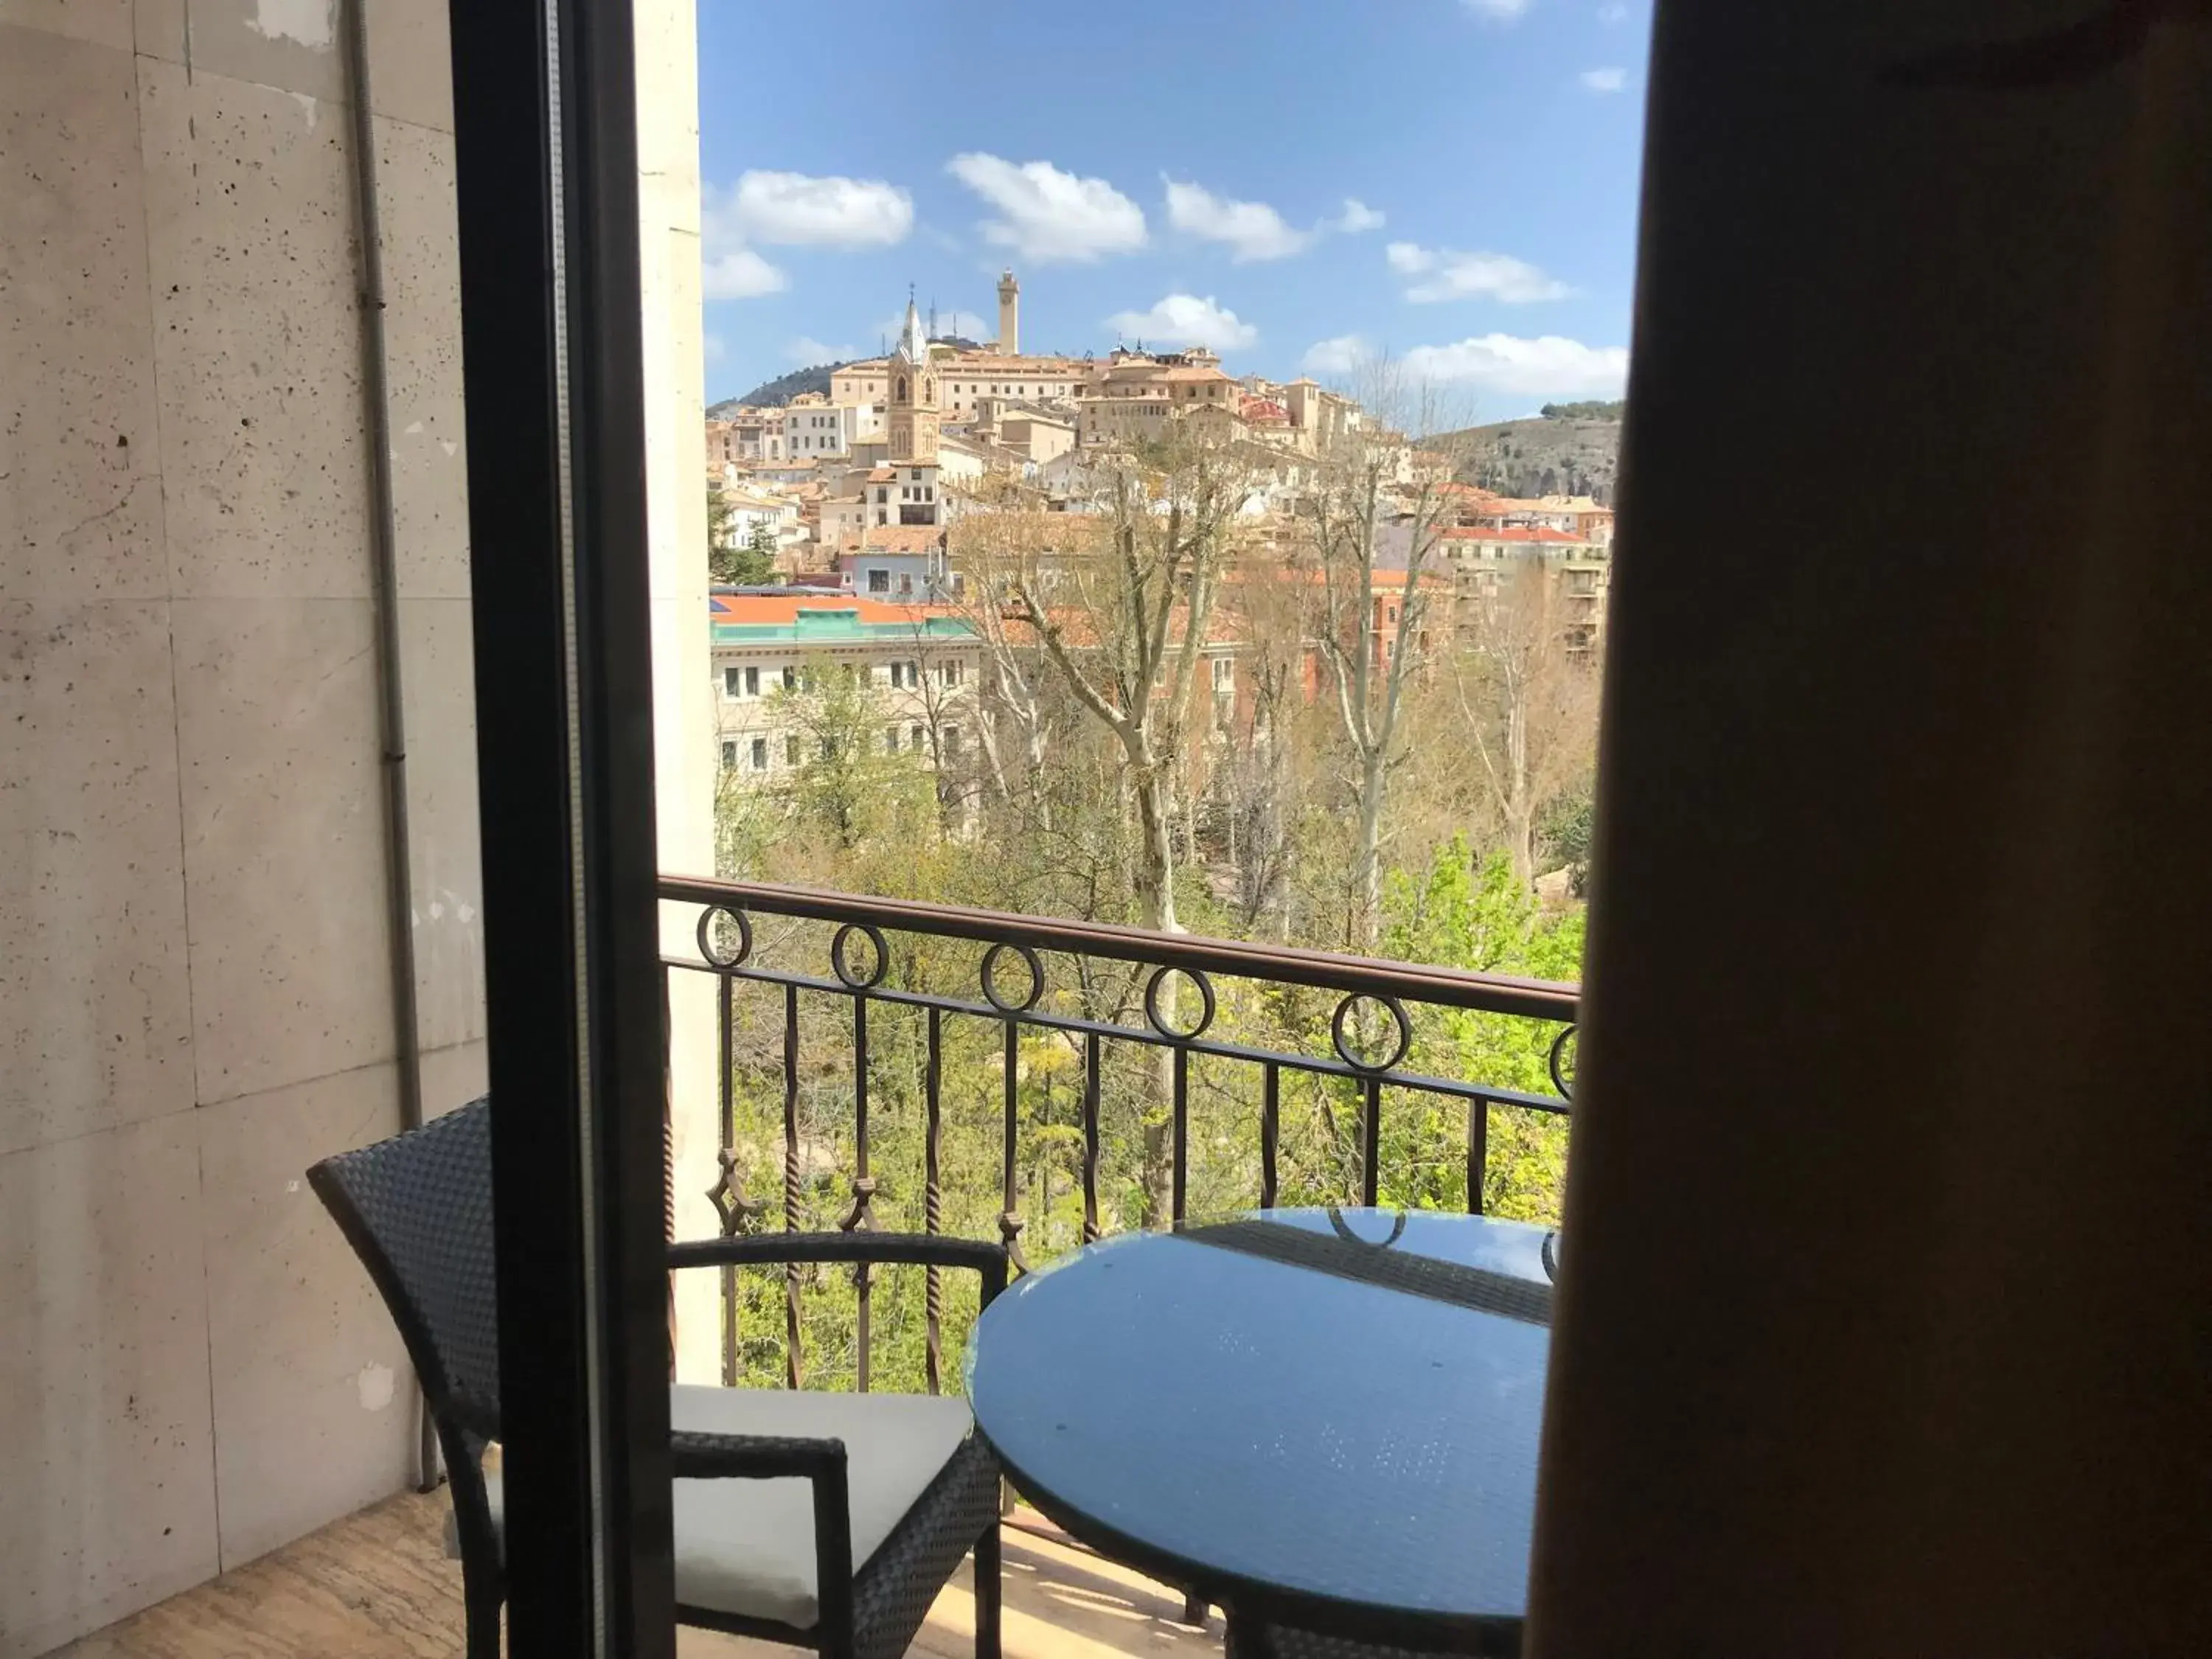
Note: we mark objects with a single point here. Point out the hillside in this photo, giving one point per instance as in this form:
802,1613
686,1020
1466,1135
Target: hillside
1572,452
774,394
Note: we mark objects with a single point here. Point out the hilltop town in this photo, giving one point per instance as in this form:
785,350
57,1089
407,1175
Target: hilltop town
958,529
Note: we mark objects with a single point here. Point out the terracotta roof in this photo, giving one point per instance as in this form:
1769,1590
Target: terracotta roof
901,537
882,475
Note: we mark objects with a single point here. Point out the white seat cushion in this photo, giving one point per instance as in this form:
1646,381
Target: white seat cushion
747,1546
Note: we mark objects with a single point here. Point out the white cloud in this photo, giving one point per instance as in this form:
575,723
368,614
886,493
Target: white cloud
1046,216
791,209
1449,276
1604,79
1251,230
1503,11
1548,366
794,208
1186,320
1612,13
738,273
1340,355
1356,217
805,351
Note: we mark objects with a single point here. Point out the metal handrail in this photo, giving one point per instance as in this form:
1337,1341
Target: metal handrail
1327,970
725,936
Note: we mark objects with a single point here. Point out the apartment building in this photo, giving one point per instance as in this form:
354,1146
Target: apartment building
902,565
1480,561
922,662
815,429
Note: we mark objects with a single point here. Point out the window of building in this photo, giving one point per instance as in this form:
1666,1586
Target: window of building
883,492
828,749
731,681
729,757
879,581
913,736
752,682
951,742
790,751
1225,672
915,474
790,677
891,741
760,754
949,673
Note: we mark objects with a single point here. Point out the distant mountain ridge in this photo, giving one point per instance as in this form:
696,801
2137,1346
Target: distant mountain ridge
1571,449
775,394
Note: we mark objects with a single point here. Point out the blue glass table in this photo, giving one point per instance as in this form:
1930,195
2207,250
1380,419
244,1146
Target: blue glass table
1320,1420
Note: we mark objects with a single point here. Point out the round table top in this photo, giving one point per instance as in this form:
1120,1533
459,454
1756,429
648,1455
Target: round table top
1325,1418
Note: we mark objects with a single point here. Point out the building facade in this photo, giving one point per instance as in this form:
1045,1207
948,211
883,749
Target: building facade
922,664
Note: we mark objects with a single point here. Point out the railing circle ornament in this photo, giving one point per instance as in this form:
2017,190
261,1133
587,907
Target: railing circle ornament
1561,1068
716,957
841,957
1341,1037
991,992
1205,1003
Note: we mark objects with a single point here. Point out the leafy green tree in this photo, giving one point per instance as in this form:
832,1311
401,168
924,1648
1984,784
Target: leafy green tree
750,563
851,783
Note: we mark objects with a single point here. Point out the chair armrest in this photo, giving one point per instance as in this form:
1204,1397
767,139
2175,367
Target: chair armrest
769,1457
913,1249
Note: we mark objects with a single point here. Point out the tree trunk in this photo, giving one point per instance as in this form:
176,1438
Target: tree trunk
1367,859
1520,808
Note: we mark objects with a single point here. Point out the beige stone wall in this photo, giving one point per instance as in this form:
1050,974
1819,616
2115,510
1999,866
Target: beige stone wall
193,982
685,751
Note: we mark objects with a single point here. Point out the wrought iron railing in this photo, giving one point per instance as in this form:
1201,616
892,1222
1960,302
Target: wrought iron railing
1123,989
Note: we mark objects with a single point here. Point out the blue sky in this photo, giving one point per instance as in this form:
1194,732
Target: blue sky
1297,183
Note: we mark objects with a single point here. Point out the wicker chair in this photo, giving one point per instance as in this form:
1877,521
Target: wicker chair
828,1521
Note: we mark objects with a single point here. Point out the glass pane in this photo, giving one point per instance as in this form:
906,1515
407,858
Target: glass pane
1216,501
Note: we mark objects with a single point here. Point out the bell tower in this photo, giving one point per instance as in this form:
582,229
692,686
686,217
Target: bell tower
913,408
1010,315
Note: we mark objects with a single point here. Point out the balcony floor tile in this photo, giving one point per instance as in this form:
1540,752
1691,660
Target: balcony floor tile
378,1586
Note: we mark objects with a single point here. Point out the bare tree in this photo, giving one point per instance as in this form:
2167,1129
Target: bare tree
993,548
1122,623
1527,693
1376,517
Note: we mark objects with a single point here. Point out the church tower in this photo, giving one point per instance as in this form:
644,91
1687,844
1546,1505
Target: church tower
913,403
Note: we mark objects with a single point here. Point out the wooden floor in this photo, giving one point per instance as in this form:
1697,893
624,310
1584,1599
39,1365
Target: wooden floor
378,1586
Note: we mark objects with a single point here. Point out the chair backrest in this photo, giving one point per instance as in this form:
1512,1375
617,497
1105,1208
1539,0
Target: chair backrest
416,1209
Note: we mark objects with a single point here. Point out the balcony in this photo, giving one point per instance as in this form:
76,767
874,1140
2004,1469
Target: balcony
911,1066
